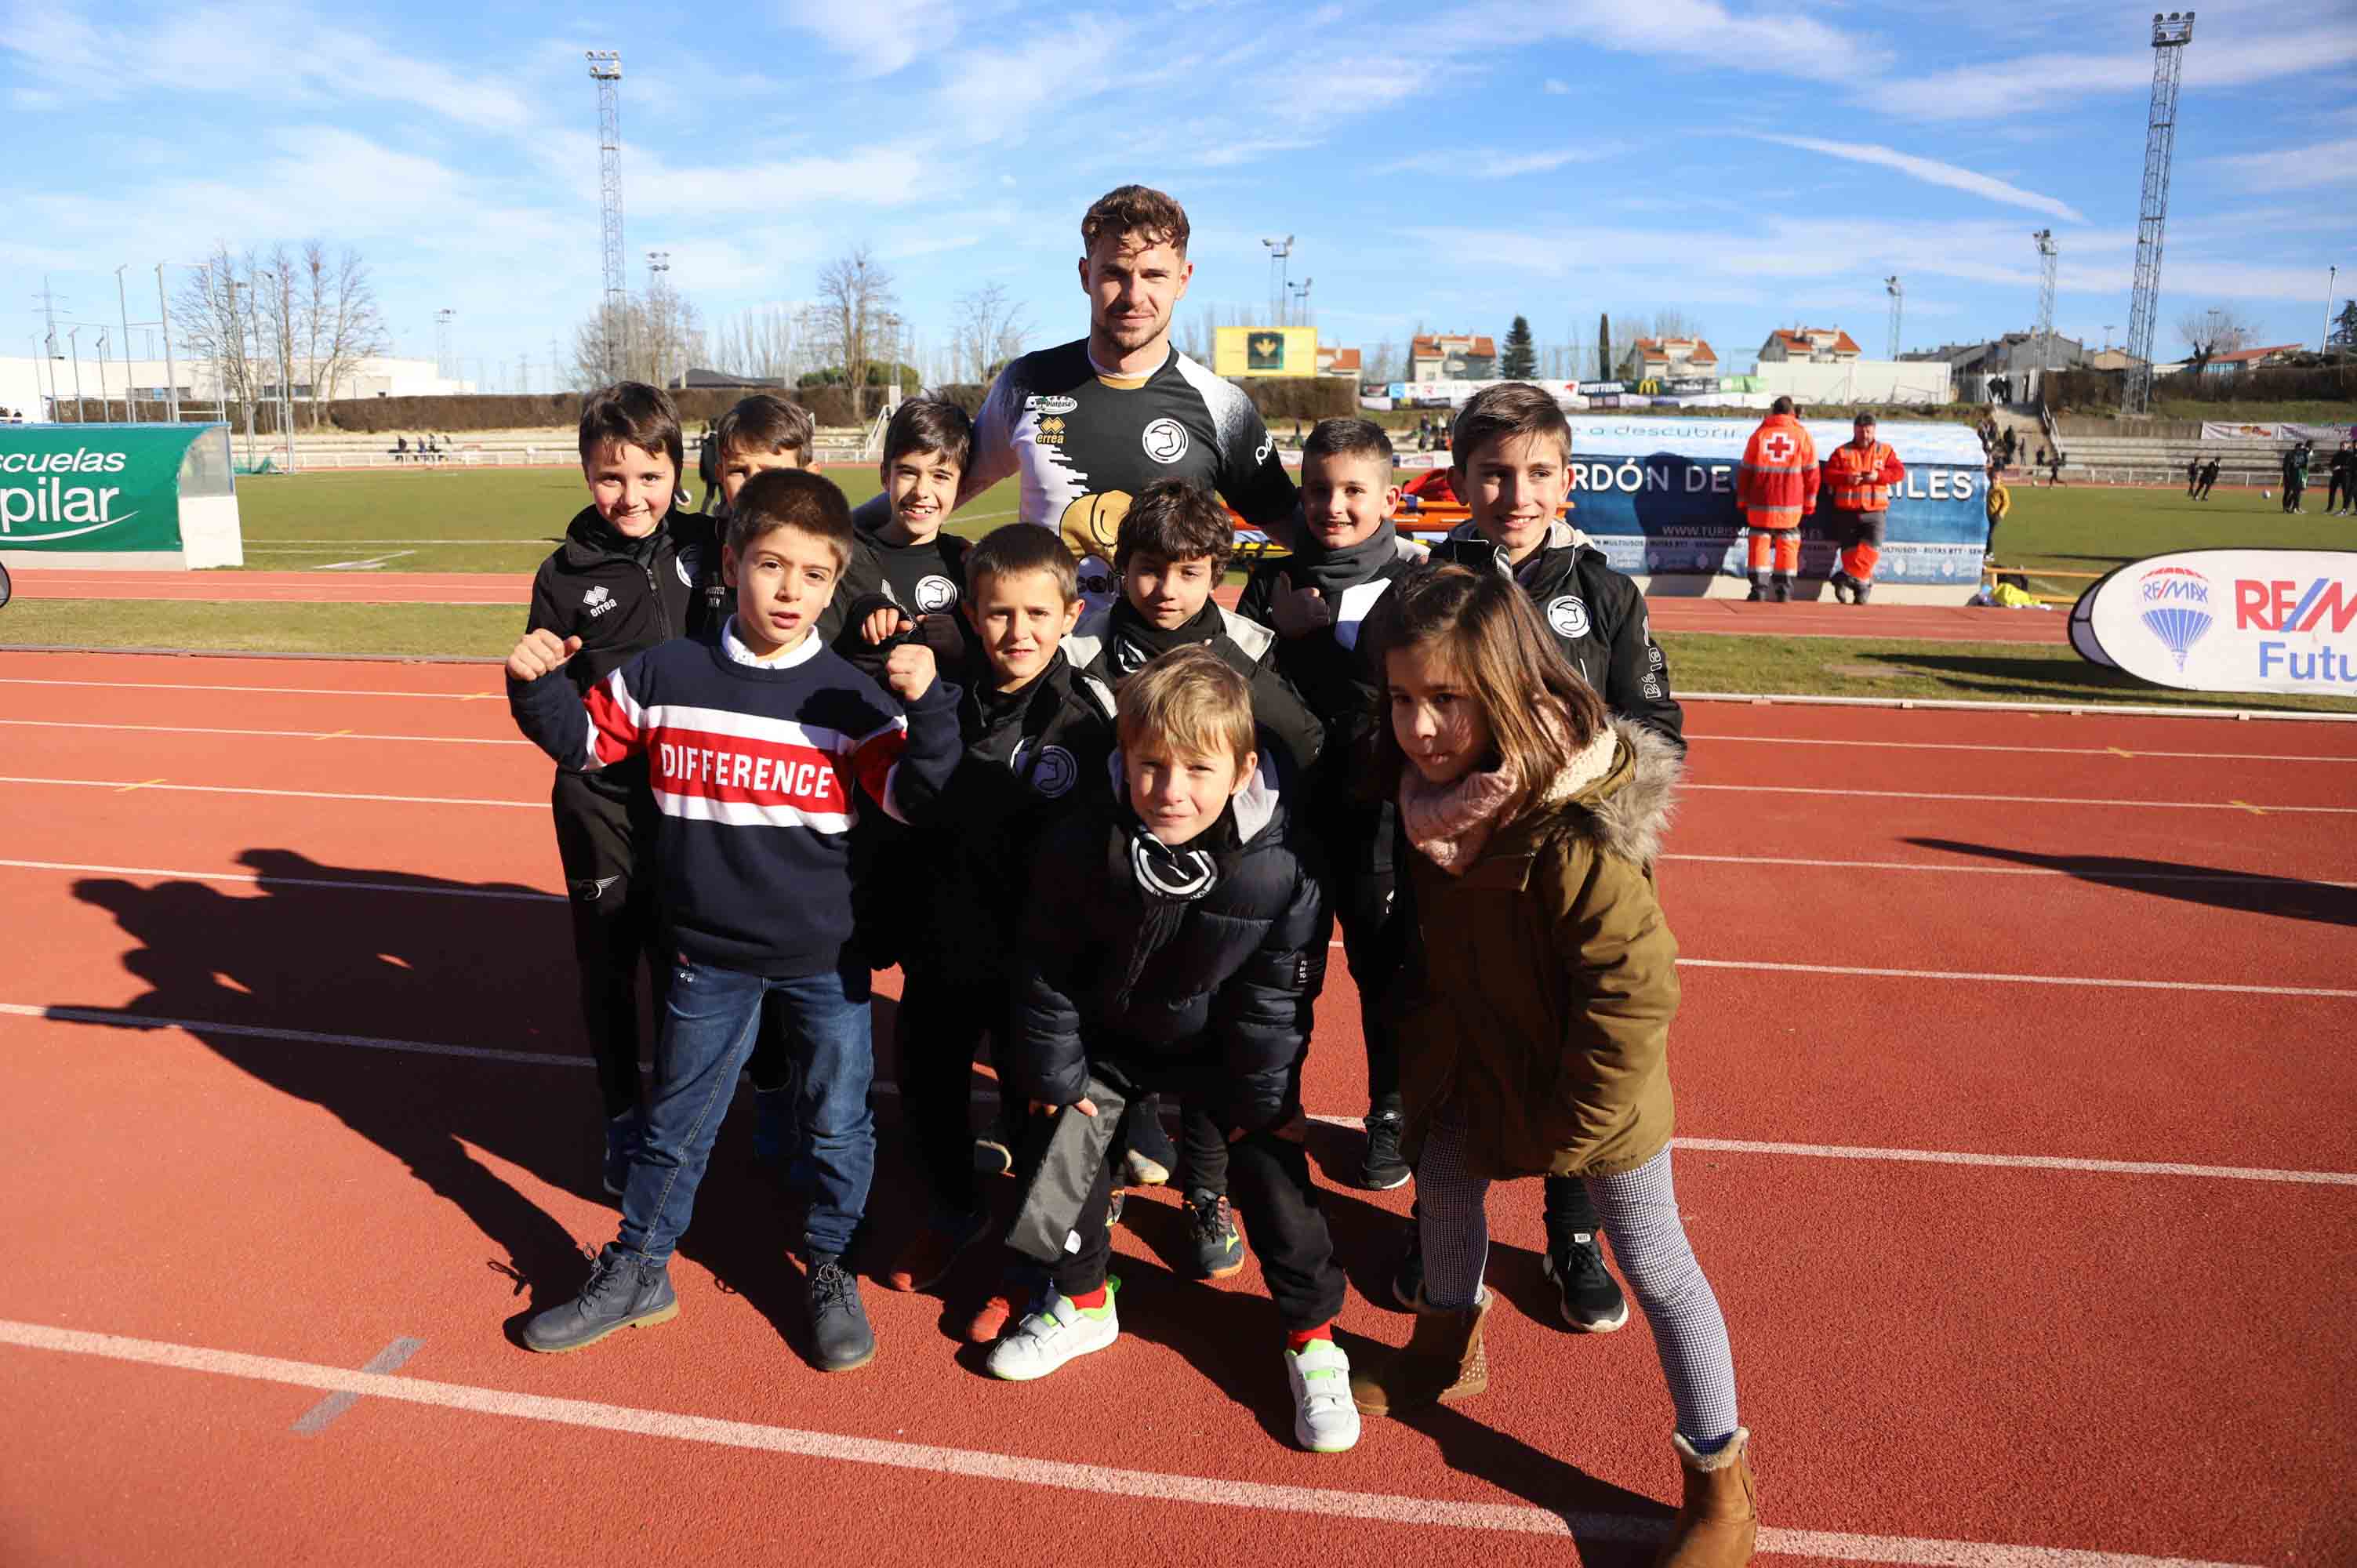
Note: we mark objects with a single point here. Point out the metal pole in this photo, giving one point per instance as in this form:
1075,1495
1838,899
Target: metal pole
2324,338
245,381
102,395
171,372
122,312
73,340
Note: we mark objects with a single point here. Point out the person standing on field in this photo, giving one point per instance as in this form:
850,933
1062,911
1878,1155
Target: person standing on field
1776,488
1861,472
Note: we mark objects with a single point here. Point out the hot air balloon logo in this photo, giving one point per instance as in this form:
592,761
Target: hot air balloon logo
2177,607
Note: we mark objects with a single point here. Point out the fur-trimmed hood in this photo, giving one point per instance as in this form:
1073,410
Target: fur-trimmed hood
1627,811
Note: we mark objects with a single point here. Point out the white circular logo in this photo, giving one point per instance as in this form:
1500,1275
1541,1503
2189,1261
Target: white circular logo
689,562
1053,771
934,594
1166,441
1568,616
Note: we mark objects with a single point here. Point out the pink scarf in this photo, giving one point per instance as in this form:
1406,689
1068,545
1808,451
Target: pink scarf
1451,822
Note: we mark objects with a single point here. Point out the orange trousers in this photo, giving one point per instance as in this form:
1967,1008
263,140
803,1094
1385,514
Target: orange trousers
1861,534
1780,544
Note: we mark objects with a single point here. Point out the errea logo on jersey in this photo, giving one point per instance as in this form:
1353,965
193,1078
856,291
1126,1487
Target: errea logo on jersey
598,600
1165,441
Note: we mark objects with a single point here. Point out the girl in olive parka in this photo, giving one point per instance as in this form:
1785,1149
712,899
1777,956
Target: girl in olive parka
1534,1012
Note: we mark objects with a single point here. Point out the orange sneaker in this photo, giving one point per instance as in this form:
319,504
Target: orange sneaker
928,1257
991,1318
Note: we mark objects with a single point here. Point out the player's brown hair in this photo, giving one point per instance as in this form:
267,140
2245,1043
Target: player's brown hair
1014,547
765,422
930,424
1501,412
1134,210
631,414
1174,519
1342,437
792,497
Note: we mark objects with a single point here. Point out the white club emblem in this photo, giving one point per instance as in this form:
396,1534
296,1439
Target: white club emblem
1166,441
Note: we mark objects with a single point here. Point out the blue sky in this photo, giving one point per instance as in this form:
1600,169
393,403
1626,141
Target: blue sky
1446,166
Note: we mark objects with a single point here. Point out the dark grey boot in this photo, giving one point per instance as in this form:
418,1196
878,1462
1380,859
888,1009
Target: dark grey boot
622,1293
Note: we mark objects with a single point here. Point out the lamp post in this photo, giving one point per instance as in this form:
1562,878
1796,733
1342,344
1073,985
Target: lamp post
171,372
245,381
658,266
73,341
102,395
2324,337
123,310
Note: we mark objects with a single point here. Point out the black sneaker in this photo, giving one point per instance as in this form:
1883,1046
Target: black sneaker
1859,591
1841,583
1592,1302
622,1293
1759,594
1407,1274
1382,1168
840,1337
1780,591
1219,1250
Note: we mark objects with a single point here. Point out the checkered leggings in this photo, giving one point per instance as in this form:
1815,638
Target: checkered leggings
1639,1210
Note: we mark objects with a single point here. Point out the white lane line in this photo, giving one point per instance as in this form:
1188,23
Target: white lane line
273,734
2098,982
340,885
121,1018
2129,753
2259,878
389,1359
2016,799
246,691
369,564
1199,1491
287,794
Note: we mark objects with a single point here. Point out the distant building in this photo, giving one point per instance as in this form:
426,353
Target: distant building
1669,359
1812,345
2010,355
1340,363
2242,360
723,380
1451,357
29,384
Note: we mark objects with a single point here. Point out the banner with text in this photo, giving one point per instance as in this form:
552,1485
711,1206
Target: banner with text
2275,430
2227,621
76,490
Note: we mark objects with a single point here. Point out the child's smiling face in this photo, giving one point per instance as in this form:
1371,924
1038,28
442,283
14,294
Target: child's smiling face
1436,717
630,487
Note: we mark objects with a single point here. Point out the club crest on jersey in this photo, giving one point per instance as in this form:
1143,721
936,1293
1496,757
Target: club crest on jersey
1166,441
933,594
689,563
598,600
1052,770
1568,616
1050,403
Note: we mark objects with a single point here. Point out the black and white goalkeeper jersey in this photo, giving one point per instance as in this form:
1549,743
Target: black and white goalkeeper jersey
1086,441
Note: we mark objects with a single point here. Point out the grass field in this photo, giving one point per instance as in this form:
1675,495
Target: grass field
506,521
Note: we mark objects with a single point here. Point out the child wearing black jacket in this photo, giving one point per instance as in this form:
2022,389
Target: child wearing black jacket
1175,958
1037,733
1317,598
619,584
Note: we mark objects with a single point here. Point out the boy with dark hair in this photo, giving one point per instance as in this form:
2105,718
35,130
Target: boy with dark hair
757,741
1037,733
616,586
1512,447
1316,598
1172,547
908,575
761,432
1175,957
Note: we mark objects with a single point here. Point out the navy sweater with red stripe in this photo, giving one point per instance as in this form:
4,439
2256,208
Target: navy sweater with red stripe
756,769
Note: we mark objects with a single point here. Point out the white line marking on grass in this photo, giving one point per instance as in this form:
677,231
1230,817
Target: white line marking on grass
2013,979
2018,751
121,1018
1196,1491
388,1359
274,734
2259,878
370,564
2014,799
517,895
289,794
247,691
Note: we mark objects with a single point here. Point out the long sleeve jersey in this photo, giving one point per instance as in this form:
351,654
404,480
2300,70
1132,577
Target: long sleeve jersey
756,769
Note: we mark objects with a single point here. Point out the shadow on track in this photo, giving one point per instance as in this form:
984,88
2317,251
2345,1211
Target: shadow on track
2289,897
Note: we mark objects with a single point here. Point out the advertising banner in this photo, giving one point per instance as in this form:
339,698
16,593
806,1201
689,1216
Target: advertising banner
1657,495
1265,351
73,492
2227,621
2215,430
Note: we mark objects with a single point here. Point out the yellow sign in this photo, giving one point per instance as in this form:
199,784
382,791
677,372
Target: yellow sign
1265,352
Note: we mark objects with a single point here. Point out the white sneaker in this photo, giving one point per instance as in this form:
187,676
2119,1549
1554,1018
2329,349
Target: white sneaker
1055,1334
1324,1419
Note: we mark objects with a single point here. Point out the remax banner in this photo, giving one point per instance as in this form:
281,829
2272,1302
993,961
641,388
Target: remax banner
1657,495
2228,620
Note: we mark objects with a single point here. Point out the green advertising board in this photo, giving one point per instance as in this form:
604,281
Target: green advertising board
109,494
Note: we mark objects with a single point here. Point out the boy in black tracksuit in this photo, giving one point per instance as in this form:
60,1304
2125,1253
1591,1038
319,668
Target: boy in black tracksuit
1036,734
1173,955
618,584
1512,449
1317,600
1171,548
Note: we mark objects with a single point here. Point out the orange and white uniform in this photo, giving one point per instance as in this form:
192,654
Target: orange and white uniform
1777,487
1861,474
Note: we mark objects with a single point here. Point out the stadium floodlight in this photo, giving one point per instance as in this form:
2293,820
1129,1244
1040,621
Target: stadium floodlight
444,366
606,71
2324,335
1278,250
2044,239
658,263
2170,34
1898,293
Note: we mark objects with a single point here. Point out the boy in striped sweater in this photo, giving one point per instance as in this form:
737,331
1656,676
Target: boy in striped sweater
755,740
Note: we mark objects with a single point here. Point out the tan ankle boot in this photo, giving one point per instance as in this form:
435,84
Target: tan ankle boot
1442,1363
1719,1521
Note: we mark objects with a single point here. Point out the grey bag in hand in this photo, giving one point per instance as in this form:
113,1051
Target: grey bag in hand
1075,1154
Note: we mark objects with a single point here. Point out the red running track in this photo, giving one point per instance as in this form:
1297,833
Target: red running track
1977,1349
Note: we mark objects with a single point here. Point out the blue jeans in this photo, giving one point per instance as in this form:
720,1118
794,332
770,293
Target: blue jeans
708,1028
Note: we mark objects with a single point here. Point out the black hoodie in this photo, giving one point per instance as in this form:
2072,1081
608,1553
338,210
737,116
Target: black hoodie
621,597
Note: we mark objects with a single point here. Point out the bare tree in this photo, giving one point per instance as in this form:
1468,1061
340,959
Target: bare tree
660,334
2213,330
764,344
213,319
1675,323
989,330
337,317
854,320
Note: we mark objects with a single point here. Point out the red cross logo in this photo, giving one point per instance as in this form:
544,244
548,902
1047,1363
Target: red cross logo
1777,447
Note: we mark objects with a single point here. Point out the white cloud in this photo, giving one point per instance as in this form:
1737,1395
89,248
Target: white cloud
1556,87
1931,172
990,94
879,37
1476,164
1704,32
1993,87
2293,168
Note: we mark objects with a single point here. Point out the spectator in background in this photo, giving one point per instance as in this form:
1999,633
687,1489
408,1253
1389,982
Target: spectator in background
2295,479
2208,477
1776,487
2000,501
2341,498
2054,467
1860,473
2192,475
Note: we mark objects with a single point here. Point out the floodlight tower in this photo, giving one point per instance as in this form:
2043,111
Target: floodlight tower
1301,303
2170,34
1278,250
658,264
1898,293
2045,240
606,71
442,319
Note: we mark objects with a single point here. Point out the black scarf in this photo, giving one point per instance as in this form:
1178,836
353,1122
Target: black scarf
1168,878
1332,571
1136,640
599,535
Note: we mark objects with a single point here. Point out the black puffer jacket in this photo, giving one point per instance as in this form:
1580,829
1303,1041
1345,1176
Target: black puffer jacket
1209,1005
